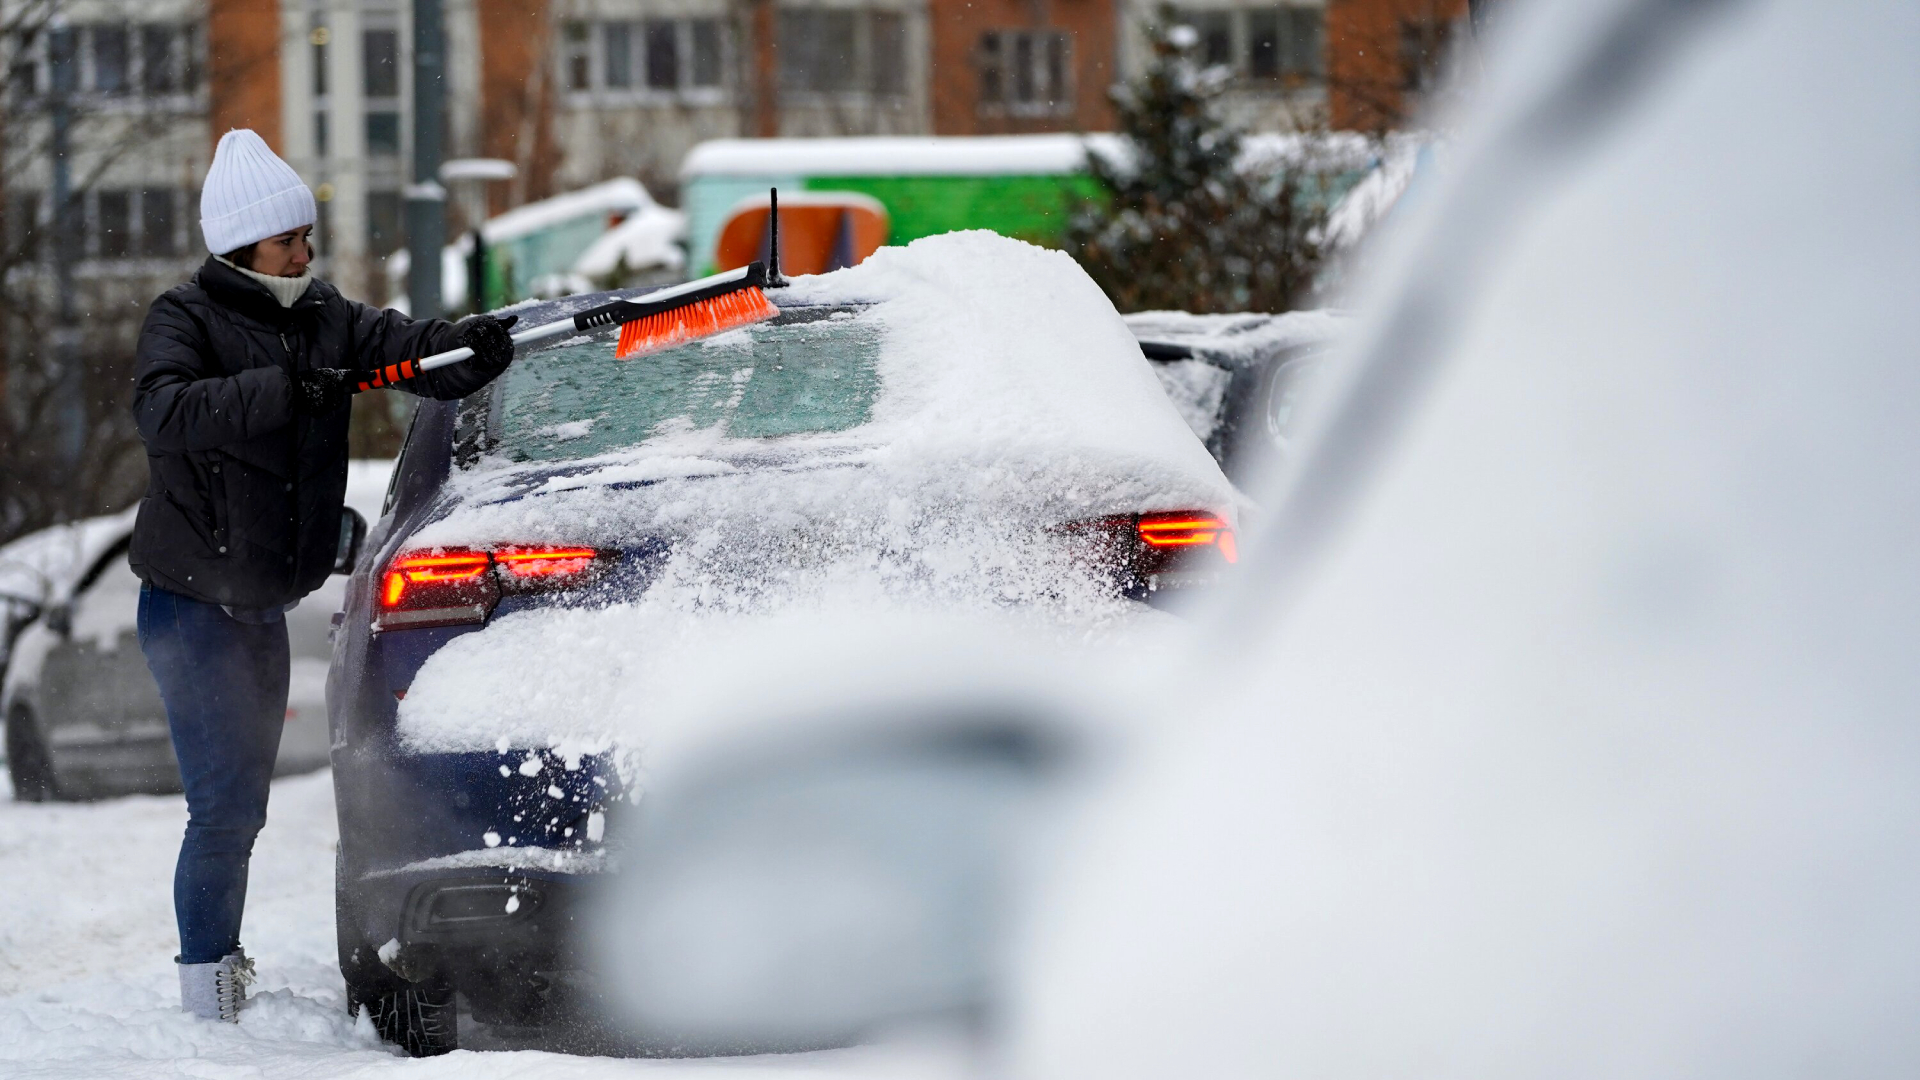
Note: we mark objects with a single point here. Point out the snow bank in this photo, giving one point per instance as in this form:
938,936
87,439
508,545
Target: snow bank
88,989
1012,400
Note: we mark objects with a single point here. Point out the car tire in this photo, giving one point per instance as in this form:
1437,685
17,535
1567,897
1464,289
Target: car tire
423,1019
28,762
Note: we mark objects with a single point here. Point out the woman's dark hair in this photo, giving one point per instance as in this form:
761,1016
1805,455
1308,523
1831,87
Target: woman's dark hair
241,257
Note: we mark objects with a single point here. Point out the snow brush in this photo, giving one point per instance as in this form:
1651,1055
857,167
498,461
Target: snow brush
659,320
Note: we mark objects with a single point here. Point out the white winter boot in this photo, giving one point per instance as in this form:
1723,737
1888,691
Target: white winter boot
214,991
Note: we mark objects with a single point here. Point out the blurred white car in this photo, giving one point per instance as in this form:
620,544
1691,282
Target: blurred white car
1565,721
83,716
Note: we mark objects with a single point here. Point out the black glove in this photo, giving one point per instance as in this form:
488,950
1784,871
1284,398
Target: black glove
323,391
487,337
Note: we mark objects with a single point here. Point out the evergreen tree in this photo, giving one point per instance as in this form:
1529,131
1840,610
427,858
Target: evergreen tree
1178,223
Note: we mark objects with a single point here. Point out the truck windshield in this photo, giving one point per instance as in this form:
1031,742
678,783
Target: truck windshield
811,370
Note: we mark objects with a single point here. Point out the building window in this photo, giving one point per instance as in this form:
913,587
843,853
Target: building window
323,225
577,40
23,65
618,39
841,50
157,223
1215,29
383,134
889,53
193,49
63,61
1283,43
23,225
1423,49
380,55
159,75
110,60
384,234
704,35
113,223
663,55
380,80
655,56
1026,72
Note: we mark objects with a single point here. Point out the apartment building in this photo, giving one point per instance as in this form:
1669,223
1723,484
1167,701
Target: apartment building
132,81
575,91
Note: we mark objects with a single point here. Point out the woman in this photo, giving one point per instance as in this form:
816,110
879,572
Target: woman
243,379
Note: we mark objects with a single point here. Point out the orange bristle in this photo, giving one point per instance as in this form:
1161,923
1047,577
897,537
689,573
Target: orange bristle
711,316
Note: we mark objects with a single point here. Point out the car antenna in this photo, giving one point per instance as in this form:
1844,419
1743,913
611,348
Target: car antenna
775,280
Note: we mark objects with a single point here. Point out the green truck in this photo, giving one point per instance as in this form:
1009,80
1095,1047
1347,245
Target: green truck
1018,185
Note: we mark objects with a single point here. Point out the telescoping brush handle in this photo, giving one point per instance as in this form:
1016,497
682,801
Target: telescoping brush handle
658,302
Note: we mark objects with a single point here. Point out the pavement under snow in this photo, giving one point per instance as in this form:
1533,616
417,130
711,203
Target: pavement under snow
87,987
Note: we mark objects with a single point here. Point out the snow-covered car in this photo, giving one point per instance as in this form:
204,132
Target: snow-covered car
963,425
83,716
1242,381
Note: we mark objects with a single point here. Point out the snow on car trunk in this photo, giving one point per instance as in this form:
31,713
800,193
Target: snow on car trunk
1009,399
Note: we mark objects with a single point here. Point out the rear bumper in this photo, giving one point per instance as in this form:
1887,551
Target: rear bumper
465,925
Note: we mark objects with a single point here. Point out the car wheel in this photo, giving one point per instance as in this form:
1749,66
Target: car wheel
421,1019
28,762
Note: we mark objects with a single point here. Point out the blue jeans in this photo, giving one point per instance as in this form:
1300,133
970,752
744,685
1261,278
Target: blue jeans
224,682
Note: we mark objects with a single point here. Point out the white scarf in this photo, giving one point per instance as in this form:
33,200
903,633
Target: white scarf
287,290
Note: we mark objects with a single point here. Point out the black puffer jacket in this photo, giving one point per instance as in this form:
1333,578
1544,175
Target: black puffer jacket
243,495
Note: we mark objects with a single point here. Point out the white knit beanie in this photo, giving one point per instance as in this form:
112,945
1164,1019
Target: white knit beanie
251,194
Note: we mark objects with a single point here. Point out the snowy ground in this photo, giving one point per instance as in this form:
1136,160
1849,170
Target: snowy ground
87,987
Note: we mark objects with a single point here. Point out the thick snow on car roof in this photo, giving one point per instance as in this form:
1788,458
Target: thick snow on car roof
1012,399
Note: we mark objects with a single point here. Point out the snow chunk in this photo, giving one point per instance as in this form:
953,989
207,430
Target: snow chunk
567,432
390,950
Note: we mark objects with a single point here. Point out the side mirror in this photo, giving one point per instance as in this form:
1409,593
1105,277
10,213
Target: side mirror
353,533
803,891
59,619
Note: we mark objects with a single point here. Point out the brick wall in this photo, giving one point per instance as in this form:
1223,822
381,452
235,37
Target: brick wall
243,68
957,27
516,97
1375,50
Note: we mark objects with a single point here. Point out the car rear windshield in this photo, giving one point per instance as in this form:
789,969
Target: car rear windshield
808,371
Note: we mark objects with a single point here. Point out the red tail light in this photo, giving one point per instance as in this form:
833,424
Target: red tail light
534,563
1187,529
1159,550
444,587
